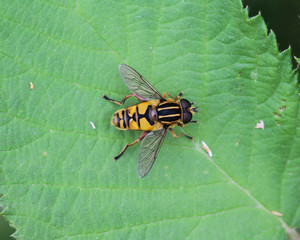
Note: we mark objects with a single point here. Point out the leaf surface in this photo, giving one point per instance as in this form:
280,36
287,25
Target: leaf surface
58,178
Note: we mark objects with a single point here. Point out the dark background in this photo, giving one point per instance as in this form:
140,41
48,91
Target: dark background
282,16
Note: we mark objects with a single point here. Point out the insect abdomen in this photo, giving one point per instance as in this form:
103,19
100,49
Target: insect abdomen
168,112
137,117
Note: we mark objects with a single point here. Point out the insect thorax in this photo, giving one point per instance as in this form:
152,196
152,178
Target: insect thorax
168,112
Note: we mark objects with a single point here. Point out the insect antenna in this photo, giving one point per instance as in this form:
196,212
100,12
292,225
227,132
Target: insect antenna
194,109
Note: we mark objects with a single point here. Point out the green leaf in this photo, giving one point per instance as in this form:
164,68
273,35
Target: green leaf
58,178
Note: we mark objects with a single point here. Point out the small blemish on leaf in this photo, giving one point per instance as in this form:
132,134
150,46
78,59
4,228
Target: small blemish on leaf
237,143
93,125
277,213
261,125
45,153
282,108
253,75
283,100
277,115
166,167
206,148
31,85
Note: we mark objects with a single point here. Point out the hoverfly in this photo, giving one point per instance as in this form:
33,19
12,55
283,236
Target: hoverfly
155,115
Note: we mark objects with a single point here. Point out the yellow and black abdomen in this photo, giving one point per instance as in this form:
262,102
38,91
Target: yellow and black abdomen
168,112
137,117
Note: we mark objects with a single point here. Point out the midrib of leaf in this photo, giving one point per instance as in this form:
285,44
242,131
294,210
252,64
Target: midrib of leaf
290,231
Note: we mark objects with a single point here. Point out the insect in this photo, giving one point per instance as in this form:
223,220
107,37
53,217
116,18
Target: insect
155,115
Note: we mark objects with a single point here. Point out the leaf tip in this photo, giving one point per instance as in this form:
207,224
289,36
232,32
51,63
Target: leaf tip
286,53
259,23
273,41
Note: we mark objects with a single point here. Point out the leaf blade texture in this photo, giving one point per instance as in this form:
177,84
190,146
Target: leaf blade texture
58,178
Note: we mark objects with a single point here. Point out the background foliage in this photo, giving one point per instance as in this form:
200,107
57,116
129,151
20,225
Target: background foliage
57,175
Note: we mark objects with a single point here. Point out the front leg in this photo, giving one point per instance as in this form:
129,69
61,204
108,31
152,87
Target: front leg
182,134
179,96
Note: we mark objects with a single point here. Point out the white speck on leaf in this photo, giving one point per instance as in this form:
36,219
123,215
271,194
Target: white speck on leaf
277,213
206,148
93,125
253,75
260,125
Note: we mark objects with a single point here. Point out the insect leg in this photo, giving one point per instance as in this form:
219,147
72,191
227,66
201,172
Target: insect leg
165,94
141,99
182,134
127,145
179,95
194,109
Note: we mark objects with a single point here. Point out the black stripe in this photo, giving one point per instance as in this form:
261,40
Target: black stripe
134,117
127,118
118,120
165,112
138,116
167,104
148,116
169,119
124,120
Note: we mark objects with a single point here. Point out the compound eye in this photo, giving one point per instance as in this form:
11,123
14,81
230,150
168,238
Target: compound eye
187,117
185,103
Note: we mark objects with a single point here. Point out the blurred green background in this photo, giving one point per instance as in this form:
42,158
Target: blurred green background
282,16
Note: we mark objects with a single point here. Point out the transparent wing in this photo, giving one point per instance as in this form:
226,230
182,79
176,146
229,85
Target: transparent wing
137,84
149,150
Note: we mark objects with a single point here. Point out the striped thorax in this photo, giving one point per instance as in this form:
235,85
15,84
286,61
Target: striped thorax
168,112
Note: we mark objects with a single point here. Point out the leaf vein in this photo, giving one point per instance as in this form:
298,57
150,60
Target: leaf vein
90,23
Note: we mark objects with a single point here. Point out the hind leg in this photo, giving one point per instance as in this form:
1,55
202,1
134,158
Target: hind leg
141,99
127,145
